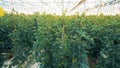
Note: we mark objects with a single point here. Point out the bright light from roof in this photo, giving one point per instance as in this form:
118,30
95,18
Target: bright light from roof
57,6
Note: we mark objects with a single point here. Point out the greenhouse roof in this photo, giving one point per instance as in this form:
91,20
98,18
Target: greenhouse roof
89,7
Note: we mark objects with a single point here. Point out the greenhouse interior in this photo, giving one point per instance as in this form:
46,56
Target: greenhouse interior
59,33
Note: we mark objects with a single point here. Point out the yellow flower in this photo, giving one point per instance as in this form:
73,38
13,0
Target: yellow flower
1,12
74,60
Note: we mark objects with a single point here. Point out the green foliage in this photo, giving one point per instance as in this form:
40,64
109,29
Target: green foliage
23,38
5,41
17,32
59,44
105,50
61,41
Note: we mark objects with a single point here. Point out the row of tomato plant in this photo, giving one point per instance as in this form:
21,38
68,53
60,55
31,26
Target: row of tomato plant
61,41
